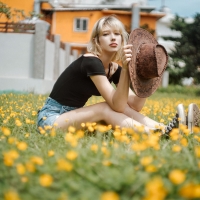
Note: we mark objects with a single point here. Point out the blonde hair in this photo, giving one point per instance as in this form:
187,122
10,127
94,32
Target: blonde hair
113,22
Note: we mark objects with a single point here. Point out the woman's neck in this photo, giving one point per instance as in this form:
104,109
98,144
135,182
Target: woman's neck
106,60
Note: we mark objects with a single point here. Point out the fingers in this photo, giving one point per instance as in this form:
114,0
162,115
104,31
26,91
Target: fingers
127,55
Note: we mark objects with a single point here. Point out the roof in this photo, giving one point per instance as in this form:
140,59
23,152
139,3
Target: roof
82,7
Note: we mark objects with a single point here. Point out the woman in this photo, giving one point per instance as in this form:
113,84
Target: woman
92,74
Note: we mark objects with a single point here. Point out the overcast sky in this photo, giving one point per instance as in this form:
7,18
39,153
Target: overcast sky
184,8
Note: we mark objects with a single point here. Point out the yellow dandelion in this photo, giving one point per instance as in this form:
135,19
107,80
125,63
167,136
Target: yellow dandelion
196,130
190,191
139,146
22,146
146,160
51,153
30,167
90,128
174,135
105,151
53,132
71,155
18,122
155,189
28,121
55,124
69,137
162,120
9,157
197,151
186,132
71,129
20,169
44,118
82,125
24,179
177,176
106,163
6,131
34,113
11,195
80,134
37,160
12,140
46,180
184,142
198,164
94,147
117,134
63,165
151,168
110,195
176,148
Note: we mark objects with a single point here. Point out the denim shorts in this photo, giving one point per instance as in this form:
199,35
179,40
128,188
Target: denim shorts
50,112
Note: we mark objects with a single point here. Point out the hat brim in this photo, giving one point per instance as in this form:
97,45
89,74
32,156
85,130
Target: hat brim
142,87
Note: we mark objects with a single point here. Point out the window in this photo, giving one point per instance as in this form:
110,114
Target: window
80,24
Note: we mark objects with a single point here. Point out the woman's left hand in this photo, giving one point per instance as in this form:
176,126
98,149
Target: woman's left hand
126,55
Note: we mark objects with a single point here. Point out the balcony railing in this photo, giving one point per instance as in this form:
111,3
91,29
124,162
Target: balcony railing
9,27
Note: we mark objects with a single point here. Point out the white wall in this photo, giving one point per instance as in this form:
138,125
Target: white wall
16,63
49,60
16,58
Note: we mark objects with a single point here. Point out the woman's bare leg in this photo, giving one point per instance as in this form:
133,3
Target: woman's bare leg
95,113
140,118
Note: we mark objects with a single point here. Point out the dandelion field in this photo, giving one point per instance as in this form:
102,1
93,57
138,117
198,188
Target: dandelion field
96,162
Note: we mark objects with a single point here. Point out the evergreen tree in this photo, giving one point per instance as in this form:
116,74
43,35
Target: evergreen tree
187,50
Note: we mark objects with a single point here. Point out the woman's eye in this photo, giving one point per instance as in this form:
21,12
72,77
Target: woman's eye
117,34
105,34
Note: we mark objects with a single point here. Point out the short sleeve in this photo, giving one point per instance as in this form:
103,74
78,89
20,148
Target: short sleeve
93,66
116,75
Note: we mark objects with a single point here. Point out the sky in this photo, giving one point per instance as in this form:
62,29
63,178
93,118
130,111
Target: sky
184,8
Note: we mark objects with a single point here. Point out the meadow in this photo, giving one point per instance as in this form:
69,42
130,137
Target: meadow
97,162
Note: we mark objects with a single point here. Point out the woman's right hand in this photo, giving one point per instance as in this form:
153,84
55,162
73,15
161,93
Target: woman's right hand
126,55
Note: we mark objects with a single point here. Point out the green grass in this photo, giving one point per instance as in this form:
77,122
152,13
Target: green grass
101,164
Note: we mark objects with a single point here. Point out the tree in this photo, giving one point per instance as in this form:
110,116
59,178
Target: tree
185,58
15,14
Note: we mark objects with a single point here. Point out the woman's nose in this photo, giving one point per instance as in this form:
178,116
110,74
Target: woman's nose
113,36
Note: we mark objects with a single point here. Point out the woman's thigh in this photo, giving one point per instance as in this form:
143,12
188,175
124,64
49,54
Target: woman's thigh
95,113
50,112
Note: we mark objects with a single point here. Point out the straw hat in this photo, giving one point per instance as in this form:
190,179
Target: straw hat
149,61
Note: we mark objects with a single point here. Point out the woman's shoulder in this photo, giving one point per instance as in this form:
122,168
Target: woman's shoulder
90,55
91,59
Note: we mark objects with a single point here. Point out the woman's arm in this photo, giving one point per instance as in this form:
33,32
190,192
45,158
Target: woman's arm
135,102
116,99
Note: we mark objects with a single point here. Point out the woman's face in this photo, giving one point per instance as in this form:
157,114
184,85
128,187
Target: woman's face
110,39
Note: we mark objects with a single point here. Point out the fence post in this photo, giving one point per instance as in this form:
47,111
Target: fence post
56,56
39,49
135,21
75,54
67,54
165,79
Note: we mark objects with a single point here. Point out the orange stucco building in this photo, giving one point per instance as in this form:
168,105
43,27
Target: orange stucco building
63,21
27,6
74,23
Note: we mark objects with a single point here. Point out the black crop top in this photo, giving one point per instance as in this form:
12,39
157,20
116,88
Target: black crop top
74,86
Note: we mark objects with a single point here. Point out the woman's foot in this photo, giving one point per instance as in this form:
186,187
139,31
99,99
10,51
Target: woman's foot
193,118
177,120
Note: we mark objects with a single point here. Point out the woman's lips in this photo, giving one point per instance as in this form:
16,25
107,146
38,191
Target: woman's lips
113,44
